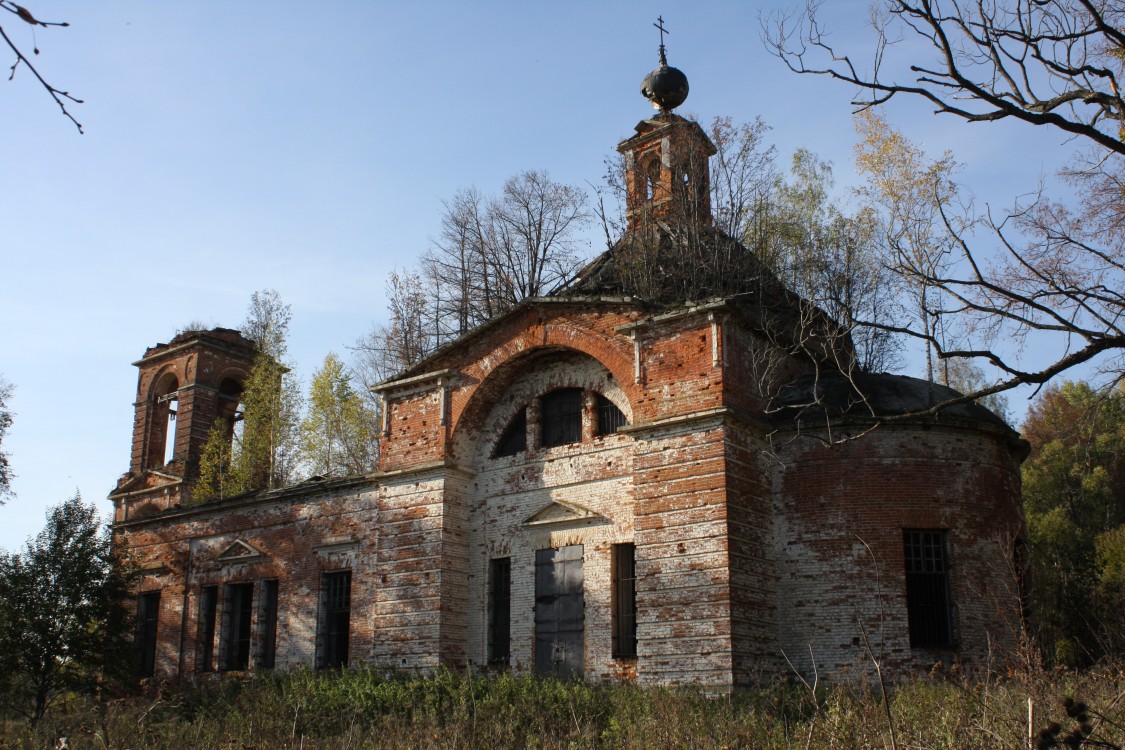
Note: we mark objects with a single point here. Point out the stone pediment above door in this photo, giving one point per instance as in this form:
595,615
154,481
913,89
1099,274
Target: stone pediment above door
558,512
240,552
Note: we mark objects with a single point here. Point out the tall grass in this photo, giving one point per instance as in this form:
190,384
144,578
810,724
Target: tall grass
364,708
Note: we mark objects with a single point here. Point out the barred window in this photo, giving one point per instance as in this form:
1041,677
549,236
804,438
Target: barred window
267,626
336,620
148,613
514,439
928,600
234,640
609,416
560,417
624,601
499,610
208,607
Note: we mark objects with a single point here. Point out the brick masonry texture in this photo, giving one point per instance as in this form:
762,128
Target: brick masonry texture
758,549
766,540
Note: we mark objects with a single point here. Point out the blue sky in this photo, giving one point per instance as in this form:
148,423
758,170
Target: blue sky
233,146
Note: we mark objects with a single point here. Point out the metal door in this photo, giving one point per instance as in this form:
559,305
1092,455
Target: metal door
559,611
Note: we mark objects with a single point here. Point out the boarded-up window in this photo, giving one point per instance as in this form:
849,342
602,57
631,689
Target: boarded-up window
208,607
559,611
624,601
928,602
267,626
148,612
609,416
560,417
514,439
499,610
336,620
234,640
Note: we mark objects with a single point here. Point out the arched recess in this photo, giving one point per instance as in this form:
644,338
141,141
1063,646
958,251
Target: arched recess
525,377
229,409
163,410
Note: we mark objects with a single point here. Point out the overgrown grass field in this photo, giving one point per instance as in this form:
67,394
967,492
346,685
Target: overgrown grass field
364,708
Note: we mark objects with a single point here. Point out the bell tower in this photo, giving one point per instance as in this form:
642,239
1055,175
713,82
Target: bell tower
667,175
183,387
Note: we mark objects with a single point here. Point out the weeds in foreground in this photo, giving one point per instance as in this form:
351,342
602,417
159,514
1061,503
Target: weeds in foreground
363,708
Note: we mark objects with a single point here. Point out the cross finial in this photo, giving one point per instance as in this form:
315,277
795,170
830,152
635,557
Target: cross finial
660,25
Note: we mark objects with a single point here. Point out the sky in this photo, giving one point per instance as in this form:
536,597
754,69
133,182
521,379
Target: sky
237,145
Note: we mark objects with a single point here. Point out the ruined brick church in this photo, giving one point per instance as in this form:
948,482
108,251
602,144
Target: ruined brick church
669,470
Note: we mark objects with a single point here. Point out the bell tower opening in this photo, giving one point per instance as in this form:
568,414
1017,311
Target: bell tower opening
185,387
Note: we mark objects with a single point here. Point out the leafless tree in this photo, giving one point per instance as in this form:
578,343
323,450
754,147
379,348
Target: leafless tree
491,253
61,97
1051,271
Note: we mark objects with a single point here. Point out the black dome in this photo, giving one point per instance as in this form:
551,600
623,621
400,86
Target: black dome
666,87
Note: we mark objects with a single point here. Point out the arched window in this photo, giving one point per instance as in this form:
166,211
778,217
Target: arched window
162,438
649,172
609,416
560,417
230,406
514,438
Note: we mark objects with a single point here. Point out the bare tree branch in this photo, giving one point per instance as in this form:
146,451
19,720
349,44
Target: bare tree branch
61,97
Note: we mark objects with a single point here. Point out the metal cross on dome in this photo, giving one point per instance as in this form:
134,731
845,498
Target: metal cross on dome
660,25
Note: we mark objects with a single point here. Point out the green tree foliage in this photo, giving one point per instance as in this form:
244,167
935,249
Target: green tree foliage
6,475
831,257
340,432
259,451
63,623
1074,495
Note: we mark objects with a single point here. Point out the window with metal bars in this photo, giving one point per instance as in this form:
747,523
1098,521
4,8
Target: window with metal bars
267,626
624,601
336,623
148,613
499,610
208,607
928,601
514,439
609,416
560,417
234,640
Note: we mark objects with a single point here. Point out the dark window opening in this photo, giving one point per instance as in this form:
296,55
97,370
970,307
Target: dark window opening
928,601
208,606
609,416
148,613
337,619
234,646
499,610
624,601
560,417
267,626
514,439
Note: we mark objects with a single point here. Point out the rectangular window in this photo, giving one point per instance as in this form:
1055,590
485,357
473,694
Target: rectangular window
267,626
234,641
560,417
208,606
336,623
928,601
499,610
624,601
609,416
148,613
